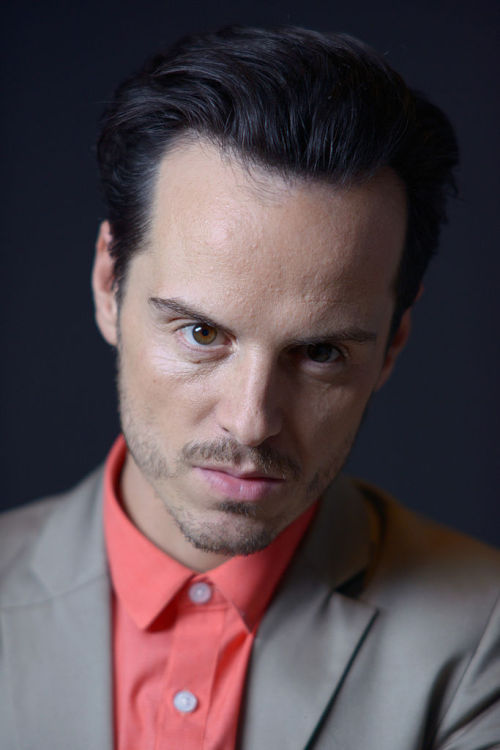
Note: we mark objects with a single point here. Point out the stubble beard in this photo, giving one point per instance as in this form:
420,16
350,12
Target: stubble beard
234,528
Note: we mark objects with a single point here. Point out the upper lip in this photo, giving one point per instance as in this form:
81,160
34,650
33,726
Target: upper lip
241,473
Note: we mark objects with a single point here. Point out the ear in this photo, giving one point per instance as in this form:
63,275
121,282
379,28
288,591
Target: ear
106,308
395,348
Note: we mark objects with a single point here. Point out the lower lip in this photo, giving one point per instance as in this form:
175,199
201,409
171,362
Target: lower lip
239,488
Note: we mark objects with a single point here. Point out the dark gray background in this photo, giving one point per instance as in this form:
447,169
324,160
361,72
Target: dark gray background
431,435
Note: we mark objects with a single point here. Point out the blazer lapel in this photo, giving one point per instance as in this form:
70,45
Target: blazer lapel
312,632
58,636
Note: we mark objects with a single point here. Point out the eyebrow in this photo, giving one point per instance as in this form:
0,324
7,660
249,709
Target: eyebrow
352,333
176,306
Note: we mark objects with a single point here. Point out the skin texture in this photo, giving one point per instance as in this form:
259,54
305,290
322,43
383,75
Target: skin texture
297,280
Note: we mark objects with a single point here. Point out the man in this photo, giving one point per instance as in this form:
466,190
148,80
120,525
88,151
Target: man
274,198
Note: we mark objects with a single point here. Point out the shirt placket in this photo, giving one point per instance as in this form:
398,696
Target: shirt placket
191,668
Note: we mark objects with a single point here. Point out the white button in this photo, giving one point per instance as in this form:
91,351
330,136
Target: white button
185,701
200,593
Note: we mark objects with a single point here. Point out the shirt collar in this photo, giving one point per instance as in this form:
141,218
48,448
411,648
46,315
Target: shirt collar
146,579
249,582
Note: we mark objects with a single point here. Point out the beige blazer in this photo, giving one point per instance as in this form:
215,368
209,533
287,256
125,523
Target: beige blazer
384,635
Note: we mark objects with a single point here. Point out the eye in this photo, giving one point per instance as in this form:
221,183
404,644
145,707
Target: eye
204,334
201,334
323,353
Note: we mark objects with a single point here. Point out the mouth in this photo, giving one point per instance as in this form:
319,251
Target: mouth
236,484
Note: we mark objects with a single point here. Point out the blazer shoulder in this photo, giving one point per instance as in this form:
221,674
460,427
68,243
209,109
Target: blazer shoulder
413,548
19,527
22,528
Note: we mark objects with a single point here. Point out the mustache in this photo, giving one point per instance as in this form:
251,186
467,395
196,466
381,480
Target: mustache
262,458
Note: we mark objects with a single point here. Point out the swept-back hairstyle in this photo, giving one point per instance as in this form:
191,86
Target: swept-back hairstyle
303,104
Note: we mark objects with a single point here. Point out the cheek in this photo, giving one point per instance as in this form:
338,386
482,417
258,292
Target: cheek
331,419
172,392
164,363
159,389
153,358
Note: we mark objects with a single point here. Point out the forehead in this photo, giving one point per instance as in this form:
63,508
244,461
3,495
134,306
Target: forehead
222,229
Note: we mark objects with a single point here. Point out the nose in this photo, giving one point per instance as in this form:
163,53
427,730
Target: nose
249,406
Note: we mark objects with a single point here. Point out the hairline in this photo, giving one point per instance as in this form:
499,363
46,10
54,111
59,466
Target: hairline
252,166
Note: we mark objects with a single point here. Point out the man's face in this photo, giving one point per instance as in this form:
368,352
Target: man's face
252,333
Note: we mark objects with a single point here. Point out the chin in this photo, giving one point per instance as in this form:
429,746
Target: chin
240,535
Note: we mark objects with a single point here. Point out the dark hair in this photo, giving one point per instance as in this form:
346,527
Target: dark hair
311,105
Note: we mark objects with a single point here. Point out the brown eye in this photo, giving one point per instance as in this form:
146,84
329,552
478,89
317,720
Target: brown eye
322,353
204,334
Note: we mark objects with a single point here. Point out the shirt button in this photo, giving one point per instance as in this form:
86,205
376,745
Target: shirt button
185,701
200,593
